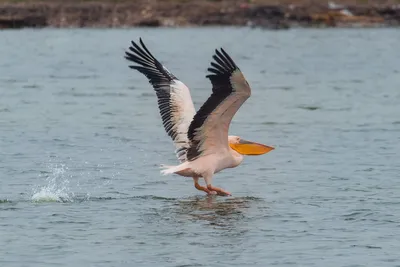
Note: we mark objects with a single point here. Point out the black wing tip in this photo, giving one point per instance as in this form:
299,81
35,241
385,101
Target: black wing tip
147,63
137,44
139,49
128,55
132,57
226,56
140,42
139,54
212,70
222,64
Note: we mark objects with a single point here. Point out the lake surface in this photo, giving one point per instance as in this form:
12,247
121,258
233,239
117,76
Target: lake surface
81,142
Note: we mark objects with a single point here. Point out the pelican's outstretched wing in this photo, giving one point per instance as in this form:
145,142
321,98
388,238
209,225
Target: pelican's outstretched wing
208,132
174,100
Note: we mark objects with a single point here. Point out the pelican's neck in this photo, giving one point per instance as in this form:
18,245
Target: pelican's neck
237,157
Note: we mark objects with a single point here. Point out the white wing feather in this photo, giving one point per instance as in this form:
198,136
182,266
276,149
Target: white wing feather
174,99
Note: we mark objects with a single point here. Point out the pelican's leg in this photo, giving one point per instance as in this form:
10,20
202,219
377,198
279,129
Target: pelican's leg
202,188
220,191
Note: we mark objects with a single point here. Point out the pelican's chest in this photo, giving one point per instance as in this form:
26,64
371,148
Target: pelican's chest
228,160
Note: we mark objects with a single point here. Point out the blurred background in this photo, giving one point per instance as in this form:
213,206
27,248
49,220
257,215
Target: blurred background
275,14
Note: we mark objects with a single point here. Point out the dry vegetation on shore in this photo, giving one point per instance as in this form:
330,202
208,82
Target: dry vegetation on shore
278,14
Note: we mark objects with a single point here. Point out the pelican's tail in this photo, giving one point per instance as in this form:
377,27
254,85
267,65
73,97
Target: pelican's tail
181,169
167,169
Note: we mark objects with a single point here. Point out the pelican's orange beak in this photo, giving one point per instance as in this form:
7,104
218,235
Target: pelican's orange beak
250,148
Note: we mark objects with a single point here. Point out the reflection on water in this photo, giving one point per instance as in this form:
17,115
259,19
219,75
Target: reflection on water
214,210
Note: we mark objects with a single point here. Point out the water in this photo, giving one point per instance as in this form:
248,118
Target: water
81,143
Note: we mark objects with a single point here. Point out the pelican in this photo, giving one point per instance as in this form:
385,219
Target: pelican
201,139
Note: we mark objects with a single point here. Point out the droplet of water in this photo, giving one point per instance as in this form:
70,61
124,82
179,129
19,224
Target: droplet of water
57,188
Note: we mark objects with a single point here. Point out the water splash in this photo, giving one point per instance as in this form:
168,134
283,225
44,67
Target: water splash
57,188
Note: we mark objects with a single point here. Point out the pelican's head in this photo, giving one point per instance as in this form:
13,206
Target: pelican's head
248,148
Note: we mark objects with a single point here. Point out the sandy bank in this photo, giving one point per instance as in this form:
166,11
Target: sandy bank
176,13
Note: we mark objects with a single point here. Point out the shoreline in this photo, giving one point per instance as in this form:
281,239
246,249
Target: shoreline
184,13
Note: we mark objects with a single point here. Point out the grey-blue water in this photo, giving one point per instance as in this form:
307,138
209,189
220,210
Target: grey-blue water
81,142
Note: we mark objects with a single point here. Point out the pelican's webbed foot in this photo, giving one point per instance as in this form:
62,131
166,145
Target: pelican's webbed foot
203,188
220,191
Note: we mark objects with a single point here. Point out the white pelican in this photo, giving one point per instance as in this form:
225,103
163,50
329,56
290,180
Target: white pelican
201,139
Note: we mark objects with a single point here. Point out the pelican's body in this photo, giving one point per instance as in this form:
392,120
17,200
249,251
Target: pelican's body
208,165
201,139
